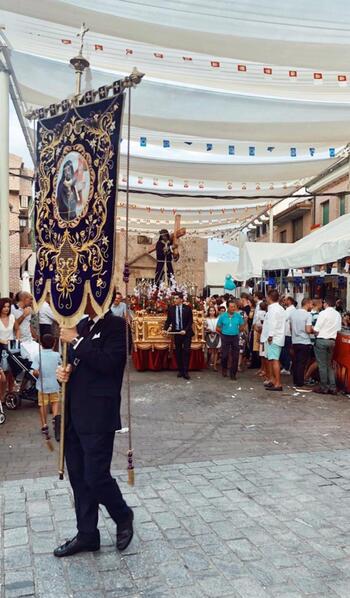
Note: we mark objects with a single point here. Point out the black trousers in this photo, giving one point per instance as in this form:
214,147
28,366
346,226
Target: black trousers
301,356
88,458
230,343
182,350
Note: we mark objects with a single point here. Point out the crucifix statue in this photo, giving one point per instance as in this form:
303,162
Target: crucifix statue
167,251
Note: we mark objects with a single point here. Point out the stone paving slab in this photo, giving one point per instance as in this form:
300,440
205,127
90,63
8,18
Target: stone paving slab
276,526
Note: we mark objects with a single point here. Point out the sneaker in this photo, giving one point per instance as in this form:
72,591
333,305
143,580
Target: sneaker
285,372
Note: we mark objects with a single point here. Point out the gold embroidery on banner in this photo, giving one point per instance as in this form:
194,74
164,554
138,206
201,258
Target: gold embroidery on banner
70,252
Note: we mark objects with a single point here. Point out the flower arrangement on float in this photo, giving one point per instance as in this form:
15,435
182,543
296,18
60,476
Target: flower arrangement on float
156,300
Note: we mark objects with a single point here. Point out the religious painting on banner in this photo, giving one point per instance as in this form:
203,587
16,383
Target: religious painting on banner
75,205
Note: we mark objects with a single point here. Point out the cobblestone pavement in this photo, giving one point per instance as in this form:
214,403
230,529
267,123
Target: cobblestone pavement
238,494
255,527
207,418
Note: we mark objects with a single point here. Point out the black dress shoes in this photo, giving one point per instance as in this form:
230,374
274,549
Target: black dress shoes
74,546
180,375
187,377
125,532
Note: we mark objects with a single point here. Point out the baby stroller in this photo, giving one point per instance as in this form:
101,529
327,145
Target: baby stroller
24,379
2,414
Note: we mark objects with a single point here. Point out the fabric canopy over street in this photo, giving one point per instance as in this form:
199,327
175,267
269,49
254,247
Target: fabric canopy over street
252,256
216,272
323,246
240,100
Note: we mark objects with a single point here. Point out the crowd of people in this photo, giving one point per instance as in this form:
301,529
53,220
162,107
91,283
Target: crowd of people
268,333
275,336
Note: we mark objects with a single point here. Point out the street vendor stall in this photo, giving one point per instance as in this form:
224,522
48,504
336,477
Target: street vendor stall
153,350
322,251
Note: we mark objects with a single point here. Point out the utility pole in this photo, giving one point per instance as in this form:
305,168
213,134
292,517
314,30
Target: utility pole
4,182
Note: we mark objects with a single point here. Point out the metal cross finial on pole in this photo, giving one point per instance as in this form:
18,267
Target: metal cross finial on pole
83,31
80,63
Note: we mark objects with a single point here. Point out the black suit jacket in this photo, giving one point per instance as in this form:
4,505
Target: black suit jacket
94,387
187,319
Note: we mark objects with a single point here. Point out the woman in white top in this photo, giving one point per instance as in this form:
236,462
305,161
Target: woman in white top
9,329
212,337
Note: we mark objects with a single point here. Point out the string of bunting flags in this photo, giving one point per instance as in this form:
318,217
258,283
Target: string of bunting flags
246,70
149,182
232,149
190,211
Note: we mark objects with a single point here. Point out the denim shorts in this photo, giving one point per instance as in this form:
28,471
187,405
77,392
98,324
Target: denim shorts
272,351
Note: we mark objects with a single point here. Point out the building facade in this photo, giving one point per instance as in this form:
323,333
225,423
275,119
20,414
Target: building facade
303,215
20,194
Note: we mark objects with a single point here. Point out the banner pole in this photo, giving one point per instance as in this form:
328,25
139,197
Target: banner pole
62,411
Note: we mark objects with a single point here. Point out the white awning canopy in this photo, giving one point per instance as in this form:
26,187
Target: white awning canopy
243,99
216,272
252,256
322,246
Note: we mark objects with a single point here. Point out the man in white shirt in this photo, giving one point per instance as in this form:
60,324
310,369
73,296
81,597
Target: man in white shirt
326,329
301,328
275,340
46,319
285,354
119,307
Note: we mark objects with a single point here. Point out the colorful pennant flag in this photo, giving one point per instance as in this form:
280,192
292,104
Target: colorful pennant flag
209,147
166,143
143,141
251,150
332,152
312,151
231,150
293,152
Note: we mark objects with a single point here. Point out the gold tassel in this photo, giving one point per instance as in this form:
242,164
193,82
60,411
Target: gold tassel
49,445
131,471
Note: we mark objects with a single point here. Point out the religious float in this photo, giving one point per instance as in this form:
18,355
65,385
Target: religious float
153,349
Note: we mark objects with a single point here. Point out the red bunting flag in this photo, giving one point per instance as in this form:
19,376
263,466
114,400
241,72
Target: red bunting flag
267,70
293,74
187,58
128,51
318,76
66,42
158,55
241,68
98,47
342,78
215,64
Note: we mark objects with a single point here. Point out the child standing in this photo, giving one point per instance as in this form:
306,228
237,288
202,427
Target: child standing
44,369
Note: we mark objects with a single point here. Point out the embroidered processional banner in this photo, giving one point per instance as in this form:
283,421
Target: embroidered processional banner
75,205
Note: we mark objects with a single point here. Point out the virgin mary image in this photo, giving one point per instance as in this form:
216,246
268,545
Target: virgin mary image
70,190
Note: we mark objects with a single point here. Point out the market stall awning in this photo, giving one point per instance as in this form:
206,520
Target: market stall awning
252,256
322,246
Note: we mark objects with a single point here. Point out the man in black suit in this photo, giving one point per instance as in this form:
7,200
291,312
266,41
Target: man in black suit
94,379
180,319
